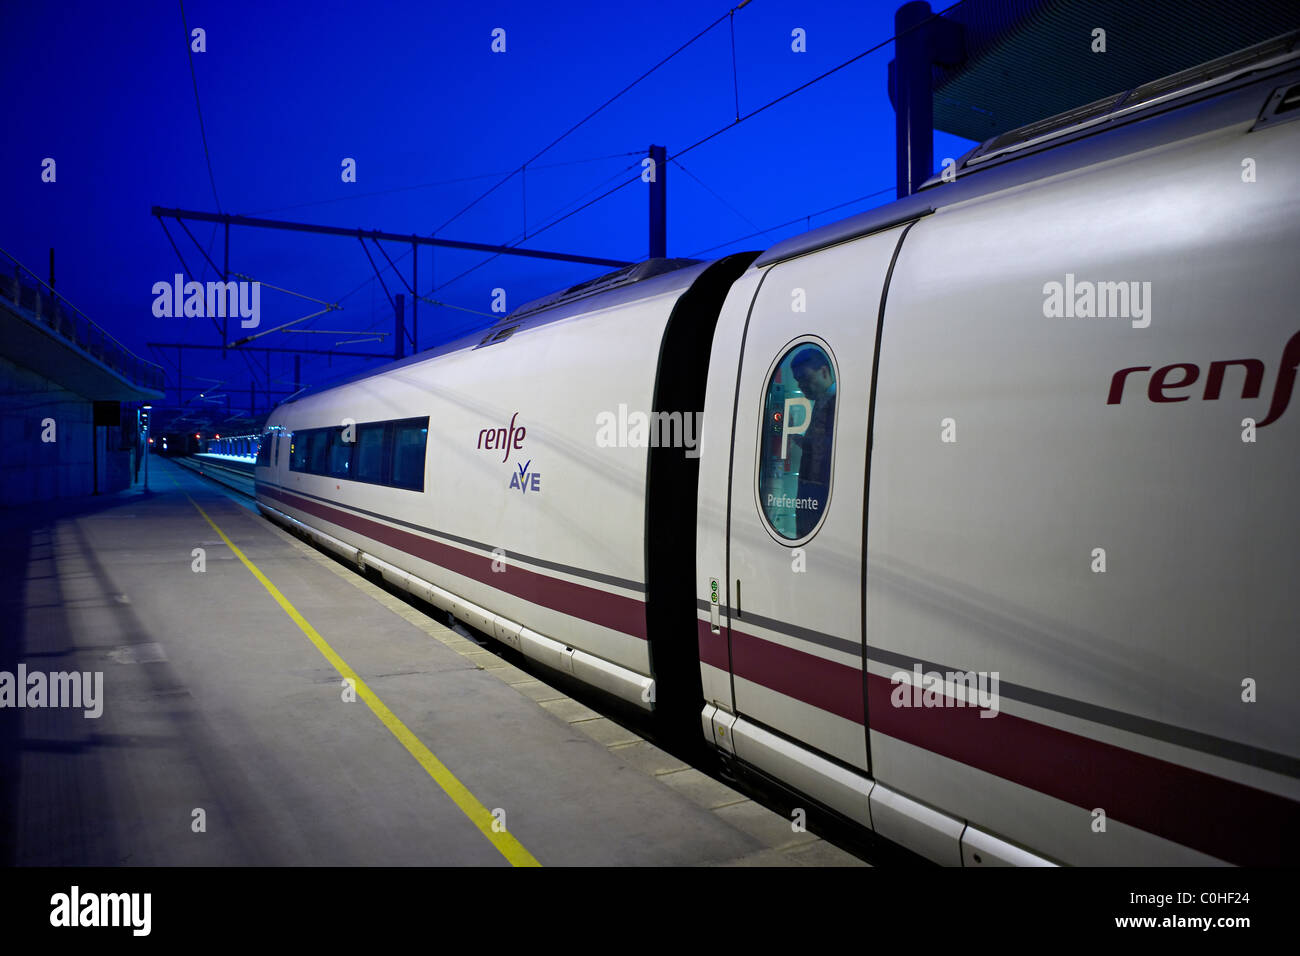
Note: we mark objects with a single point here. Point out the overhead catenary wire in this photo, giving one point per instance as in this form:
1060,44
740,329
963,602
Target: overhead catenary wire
458,308
397,272
701,142
736,122
330,332
369,330
440,182
816,79
248,278
750,115
181,222
203,132
735,78
591,115
189,52
253,372
715,195
520,238
791,222
217,200
695,145
279,328
184,266
380,277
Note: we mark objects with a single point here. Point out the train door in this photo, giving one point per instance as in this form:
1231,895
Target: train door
796,520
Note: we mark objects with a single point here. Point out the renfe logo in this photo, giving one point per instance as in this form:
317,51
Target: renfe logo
1189,372
505,438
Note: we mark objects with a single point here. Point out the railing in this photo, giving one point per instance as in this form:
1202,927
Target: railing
62,317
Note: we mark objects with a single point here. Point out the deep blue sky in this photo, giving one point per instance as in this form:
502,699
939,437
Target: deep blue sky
414,93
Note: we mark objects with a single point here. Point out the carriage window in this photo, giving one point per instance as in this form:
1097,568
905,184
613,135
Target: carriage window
371,457
797,442
318,444
341,452
409,441
381,453
298,451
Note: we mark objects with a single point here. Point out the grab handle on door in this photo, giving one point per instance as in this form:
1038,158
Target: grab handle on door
713,606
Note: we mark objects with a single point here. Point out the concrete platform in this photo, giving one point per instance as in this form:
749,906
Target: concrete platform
217,706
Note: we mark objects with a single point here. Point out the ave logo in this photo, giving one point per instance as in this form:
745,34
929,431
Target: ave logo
525,480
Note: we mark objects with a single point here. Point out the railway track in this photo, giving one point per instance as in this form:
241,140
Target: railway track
232,478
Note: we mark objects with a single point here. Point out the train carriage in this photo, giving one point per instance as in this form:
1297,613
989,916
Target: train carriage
480,477
988,538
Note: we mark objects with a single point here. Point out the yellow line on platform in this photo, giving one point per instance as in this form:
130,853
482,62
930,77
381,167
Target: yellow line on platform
478,814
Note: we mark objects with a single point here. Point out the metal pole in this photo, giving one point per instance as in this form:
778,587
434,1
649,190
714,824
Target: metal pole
415,299
335,353
225,277
913,97
399,330
377,235
659,203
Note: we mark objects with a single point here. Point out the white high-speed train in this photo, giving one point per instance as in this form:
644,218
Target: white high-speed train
987,537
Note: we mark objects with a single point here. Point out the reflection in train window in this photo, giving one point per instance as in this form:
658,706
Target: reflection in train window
371,460
341,452
796,442
318,445
380,453
409,439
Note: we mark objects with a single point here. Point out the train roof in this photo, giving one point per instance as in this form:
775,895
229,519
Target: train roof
1190,101
627,275
637,281
1155,113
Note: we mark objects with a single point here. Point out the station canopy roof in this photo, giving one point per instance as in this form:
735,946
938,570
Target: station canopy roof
1029,59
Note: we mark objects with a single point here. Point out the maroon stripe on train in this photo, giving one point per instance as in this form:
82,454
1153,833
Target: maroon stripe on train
713,647
577,600
814,680
1225,819
1220,817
